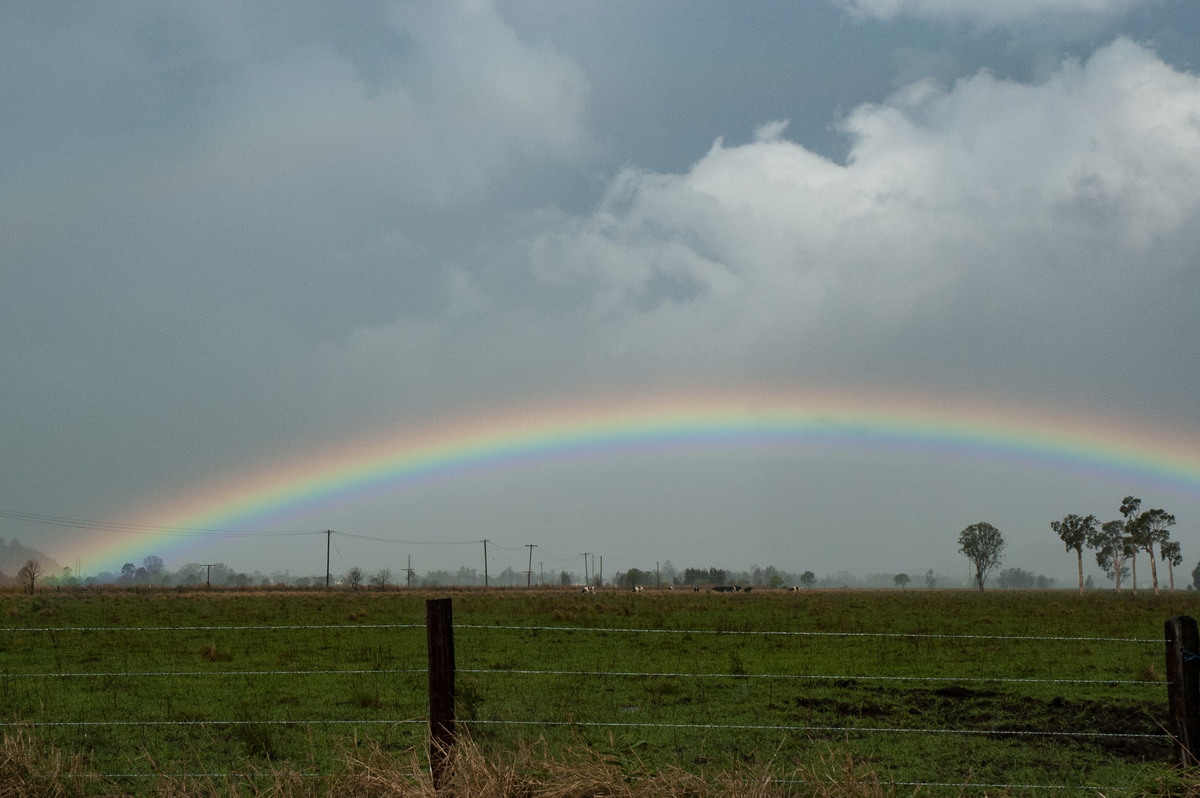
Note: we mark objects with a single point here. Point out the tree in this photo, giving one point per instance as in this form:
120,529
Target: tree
354,576
930,580
981,544
1129,510
632,578
1075,532
1112,549
1170,551
382,577
668,573
1020,579
29,574
808,579
153,565
1150,528
901,581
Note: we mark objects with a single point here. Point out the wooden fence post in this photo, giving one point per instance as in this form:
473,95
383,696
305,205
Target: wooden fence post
439,630
1183,686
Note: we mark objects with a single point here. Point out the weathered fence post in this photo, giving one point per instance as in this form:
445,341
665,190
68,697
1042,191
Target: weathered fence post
1183,686
439,631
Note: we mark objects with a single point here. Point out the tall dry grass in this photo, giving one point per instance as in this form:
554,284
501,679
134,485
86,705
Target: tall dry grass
30,770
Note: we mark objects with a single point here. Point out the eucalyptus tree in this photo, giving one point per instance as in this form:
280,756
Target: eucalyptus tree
1113,548
1150,528
1172,556
1129,510
1075,532
982,544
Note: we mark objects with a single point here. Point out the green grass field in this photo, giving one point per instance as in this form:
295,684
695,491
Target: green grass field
916,687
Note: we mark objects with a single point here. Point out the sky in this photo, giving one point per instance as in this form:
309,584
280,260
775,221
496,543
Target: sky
250,247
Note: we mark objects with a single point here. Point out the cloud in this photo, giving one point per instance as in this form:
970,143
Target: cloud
968,204
300,181
989,12
292,196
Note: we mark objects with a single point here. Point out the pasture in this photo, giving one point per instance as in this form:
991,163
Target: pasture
926,692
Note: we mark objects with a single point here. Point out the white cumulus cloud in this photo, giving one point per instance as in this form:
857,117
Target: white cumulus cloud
956,195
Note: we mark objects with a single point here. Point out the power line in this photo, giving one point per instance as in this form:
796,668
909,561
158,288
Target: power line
408,542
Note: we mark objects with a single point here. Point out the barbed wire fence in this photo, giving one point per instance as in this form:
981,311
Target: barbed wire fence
444,709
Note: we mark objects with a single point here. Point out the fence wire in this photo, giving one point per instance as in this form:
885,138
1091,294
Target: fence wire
779,729
614,674
821,677
823,729
272,627
608,629
780,633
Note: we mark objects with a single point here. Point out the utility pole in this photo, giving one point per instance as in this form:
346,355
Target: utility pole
529,573
328,540
585,570
600,579
208,574
485,573
409,572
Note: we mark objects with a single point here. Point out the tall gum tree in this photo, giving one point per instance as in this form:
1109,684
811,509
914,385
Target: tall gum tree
1129,510
1150,528
1075,531
1172,555
1112,549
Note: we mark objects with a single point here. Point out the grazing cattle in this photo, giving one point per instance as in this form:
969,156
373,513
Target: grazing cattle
695,588
588,589
792,589
637,588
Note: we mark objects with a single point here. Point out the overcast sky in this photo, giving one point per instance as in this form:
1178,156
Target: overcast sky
236,234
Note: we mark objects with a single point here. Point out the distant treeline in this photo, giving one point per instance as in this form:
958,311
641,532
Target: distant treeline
152,571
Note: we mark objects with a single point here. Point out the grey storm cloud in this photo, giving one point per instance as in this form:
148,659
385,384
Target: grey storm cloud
238,233
985,11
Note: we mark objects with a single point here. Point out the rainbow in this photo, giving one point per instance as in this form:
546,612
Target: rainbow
398,460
